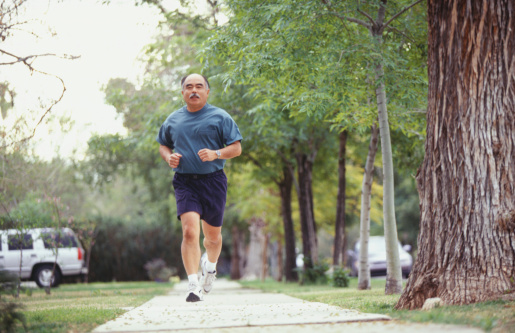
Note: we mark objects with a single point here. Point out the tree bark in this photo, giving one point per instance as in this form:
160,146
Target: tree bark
307,216
285,187
366,192
339,232
466,182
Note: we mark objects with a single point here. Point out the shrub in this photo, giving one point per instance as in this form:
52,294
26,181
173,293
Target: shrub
10,312
158,271
314,274
340,277
121,250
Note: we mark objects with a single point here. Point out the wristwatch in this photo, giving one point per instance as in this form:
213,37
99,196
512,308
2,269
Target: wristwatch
218,154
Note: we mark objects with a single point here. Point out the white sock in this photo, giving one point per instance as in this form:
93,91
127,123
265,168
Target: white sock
193,278
210,266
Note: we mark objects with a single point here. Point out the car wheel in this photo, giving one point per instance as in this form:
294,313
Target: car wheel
43,275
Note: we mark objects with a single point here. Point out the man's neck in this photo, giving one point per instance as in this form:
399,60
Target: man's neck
195,109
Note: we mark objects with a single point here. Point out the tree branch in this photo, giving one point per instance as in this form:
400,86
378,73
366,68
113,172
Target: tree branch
25,59
47,111
259,165
159,5
400,33
342,17
400,13
367,16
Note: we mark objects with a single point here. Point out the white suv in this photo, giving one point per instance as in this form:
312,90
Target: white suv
36,248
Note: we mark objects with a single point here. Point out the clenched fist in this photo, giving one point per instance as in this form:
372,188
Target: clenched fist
174,159
207,155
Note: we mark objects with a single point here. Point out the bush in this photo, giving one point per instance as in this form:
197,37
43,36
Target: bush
10,312
158,271
340,277
314,274
121,250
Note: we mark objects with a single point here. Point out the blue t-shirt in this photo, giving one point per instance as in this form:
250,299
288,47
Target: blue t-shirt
188,132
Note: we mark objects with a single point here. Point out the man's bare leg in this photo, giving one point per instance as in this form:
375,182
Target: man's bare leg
212,241
190,247
213,245
190,251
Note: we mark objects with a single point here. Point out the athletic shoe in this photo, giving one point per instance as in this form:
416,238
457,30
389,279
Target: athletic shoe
207,278
194,293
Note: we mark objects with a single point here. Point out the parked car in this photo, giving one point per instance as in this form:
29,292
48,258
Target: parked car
377,257
37,250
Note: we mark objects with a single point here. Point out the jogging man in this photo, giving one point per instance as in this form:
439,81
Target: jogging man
195,141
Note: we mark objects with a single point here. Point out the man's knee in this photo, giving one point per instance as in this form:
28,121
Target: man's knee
213,235
190,227
190,234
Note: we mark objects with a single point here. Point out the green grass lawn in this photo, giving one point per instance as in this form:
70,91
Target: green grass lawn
82,307
496,316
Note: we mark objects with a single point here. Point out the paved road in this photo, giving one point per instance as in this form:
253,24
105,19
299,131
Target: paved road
233,309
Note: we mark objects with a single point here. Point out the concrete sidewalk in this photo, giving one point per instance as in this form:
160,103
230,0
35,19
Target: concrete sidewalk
233,309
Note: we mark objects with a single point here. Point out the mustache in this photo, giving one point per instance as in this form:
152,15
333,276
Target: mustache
194,95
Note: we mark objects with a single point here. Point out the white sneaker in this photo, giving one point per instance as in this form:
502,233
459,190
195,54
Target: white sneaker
194,293
207,278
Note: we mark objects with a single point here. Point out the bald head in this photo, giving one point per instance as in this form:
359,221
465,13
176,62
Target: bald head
187,76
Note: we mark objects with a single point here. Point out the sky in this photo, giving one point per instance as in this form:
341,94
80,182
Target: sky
109,40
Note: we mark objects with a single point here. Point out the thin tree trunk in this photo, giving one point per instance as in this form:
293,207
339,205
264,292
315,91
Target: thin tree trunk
393,264
466,182
339,232
18,287
235,253
264,271
280,264
366,191
88,253
307,217
285,187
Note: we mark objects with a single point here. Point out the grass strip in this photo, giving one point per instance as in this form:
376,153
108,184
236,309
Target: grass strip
497,316
82,307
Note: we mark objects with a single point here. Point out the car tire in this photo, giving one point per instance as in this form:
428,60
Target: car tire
42,276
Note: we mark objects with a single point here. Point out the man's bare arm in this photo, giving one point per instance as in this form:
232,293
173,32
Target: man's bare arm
169,156
228,152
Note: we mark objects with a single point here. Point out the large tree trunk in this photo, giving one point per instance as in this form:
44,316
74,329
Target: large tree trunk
285,187
307,216
339,232
467,180
366,192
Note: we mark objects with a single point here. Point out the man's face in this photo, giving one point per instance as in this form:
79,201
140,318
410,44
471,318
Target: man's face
195,92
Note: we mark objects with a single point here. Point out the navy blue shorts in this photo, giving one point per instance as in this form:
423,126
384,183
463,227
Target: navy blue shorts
204,194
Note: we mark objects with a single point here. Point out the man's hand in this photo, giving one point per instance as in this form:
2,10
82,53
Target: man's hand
207,155
174,159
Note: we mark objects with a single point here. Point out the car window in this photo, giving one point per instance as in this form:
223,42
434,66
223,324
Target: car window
63,239
20,242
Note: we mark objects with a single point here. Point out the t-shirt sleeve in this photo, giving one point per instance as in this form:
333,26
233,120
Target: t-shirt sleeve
164,137
231,132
